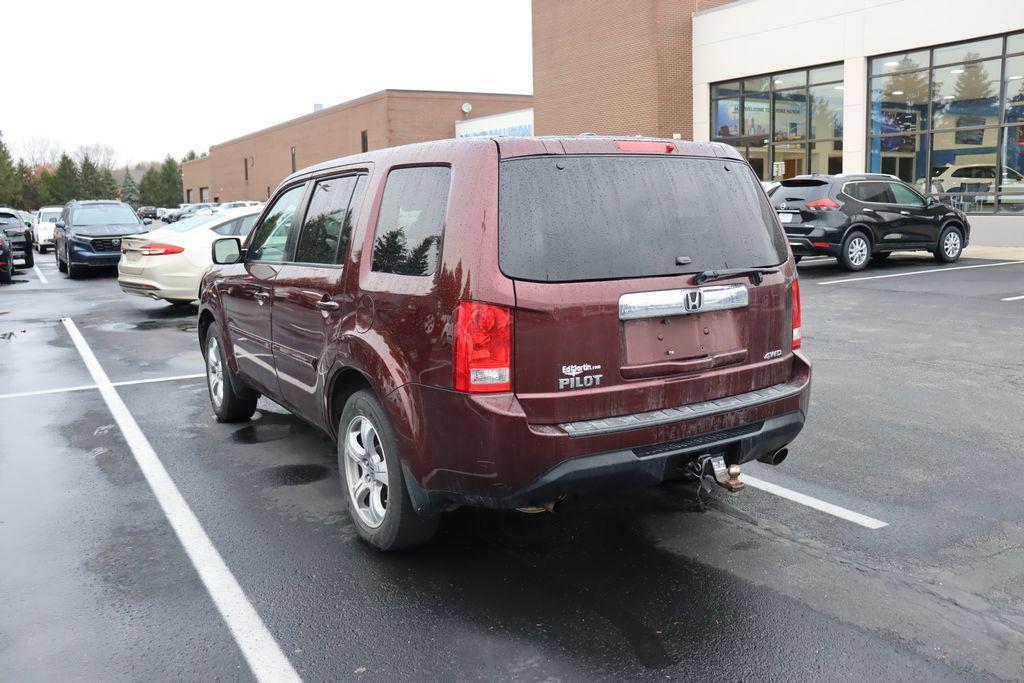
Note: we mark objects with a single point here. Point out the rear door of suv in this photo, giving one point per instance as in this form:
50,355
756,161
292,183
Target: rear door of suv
603,249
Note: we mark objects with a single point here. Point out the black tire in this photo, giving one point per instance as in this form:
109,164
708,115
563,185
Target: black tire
856,251
401,526
61,266
72,270
881,255
30,258
949,246
6,275
231,399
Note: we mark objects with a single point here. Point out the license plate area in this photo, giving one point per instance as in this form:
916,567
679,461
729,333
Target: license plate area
787,217
681,337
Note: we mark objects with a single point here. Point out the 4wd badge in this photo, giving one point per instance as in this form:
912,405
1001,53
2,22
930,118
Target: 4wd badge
575,379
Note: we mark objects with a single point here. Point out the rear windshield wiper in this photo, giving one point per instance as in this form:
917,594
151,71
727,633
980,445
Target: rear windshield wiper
754,273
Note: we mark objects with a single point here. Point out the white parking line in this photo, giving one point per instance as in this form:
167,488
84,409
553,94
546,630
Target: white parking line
85,387
1012,298
811,502
262,653
39,274
922,272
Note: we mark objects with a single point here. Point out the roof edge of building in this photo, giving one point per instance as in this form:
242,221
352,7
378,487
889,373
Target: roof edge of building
379,94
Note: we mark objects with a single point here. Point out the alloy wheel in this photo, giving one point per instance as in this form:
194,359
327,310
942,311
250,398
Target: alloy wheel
951,245
215,371
366,471
857,251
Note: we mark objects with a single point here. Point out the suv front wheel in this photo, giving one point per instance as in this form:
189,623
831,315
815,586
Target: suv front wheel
856,251
371,473
950,246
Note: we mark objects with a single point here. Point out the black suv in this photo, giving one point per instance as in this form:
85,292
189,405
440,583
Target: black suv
859,217
17,235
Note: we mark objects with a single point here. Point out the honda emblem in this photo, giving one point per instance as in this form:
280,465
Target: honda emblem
693,300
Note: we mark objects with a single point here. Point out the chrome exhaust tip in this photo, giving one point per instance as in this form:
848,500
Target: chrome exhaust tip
775,458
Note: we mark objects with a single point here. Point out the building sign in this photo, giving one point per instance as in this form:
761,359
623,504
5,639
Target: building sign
515,124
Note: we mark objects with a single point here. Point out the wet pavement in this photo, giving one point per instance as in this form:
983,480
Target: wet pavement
915,420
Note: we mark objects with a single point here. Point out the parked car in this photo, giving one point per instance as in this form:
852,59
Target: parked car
89,234
46,219
415,304
162,213
857,218
168,263
172,215
6,258
980,179
146,212
18,235
228,206
193,210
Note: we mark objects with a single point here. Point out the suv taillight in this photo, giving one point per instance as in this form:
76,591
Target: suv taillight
797,336
483,347
823,203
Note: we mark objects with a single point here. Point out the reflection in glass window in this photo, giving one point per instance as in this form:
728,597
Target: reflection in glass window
899,103
1014,89
270,241
757,115
907,61
1013,160
904,156
755,85
727,118
1015,44
826,111
827,156
327,226
412,213
966,95
726,90
905,196
791,115
793,157
967,51
825,74
757,155
789,80
964,161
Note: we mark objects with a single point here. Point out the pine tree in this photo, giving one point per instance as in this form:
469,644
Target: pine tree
190,156
89,179
44,184
129,190
65,185
9,184
389,252
107,185
28,187
170,182
150,189
974,83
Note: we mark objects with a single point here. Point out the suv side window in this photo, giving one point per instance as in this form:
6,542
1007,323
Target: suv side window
869,191
328,225
412,212
270,242
905,196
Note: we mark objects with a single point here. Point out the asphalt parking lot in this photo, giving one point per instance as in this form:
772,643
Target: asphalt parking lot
890,544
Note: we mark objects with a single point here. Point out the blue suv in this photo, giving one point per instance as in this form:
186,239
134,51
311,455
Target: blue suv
88,234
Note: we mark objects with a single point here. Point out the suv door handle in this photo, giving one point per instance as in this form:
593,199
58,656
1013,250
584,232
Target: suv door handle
869,210
904,213
261,297
327,305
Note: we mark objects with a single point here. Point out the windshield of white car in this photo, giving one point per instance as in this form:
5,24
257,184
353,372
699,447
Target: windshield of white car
187,224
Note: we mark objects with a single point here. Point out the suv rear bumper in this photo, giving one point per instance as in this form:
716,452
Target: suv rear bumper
805,246
481,451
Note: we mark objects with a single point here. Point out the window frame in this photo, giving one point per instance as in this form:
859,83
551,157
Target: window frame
333,175
378,202
289,248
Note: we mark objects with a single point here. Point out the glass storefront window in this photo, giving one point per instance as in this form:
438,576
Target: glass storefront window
756,85
827,157
904,156
967,51
966,95
757,115
789,80
825,74
899,103
964,161
907,61
790,113
1015,44
1013,160
726,90
727,118
1014,75
826,111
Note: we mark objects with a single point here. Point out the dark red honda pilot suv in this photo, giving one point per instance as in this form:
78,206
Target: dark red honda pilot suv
510,322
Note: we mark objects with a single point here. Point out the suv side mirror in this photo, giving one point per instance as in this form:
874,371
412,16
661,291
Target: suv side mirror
930,200
60,223
227,250
147,221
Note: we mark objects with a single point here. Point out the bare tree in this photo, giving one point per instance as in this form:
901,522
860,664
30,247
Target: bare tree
41,152
104,156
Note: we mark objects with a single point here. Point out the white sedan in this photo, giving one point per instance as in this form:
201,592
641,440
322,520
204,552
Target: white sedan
46,219
168,263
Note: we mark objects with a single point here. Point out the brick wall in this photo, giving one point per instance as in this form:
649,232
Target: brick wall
390,117
619,67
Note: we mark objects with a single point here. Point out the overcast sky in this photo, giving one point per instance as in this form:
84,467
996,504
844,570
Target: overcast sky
152,78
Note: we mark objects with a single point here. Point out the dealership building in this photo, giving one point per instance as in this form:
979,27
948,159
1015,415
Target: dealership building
798,86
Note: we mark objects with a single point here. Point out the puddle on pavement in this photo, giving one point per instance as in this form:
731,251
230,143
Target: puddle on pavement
182,326
268,426
293,475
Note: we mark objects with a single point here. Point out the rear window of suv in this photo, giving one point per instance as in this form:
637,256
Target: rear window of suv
593,217
799,191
